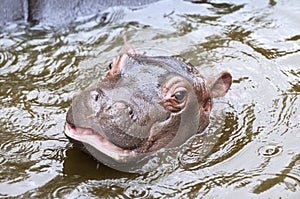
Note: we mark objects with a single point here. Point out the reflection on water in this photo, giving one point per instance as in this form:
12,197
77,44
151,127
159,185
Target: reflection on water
251,148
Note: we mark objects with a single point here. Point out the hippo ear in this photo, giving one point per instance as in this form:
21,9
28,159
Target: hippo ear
128,48
220,84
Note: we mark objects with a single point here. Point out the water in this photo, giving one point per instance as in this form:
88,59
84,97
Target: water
251,149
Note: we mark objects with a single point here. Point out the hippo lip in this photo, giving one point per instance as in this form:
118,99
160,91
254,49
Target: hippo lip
89,136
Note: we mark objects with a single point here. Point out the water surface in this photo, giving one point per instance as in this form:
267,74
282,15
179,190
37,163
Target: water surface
251,149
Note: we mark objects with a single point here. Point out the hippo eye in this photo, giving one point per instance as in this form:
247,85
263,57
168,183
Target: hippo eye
180,95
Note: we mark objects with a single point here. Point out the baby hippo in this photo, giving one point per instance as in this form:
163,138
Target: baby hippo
143,104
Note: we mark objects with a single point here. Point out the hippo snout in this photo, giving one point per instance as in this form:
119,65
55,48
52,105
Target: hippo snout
119,122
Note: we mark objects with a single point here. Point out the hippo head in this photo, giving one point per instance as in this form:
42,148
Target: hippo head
143,104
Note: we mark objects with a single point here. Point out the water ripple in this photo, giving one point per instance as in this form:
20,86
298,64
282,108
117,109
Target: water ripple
7,60
137,191
63,191
270,150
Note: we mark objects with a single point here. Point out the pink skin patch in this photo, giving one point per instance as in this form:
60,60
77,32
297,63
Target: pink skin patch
94,139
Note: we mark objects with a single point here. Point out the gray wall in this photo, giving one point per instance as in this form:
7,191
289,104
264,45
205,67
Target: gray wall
11,10
57,12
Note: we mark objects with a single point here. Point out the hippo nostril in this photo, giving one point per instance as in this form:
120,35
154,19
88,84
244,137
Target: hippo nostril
131,114
123,109
95,96
110,66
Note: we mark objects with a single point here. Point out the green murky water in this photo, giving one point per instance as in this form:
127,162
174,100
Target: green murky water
251,149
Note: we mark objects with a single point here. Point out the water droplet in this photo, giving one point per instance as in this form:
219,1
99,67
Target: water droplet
270,150
138,192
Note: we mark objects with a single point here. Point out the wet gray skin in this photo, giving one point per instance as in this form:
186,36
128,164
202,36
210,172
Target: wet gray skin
142,105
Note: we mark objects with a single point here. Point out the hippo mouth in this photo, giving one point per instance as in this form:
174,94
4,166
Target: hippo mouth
91,137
